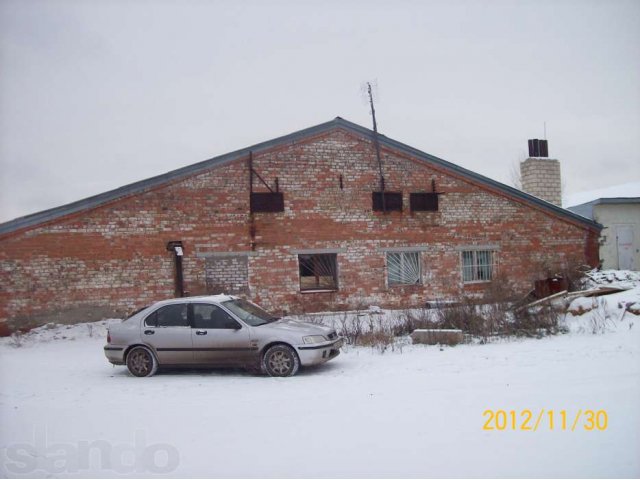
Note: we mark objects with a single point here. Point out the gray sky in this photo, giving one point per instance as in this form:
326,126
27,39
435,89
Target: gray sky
97,94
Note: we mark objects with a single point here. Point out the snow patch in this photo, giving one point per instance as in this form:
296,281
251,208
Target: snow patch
59,332
607,313
615,278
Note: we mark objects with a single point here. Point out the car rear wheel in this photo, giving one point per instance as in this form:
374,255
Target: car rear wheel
280,361
141,362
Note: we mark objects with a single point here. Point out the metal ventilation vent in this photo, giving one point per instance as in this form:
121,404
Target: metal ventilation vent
538,148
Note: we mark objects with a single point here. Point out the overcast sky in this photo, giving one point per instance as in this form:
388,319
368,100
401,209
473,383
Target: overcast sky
97,94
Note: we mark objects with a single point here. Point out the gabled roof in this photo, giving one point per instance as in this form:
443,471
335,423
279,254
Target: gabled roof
141,186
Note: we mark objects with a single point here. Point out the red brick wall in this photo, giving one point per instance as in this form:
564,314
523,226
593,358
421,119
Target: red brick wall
113,259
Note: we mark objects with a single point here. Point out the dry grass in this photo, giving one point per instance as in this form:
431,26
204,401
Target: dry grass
490,317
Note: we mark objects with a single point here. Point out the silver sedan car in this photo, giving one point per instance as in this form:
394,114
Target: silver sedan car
217,331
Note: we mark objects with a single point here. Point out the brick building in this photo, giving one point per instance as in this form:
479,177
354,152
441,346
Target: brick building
296,223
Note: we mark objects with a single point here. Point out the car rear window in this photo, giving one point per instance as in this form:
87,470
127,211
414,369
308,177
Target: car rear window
169,316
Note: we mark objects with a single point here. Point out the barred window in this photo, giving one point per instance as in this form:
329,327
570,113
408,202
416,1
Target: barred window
403,268
477,265
318,271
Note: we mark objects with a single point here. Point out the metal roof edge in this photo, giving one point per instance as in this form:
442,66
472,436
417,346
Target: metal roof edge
94,201
140,186
473,175
607,200
616,200
586,209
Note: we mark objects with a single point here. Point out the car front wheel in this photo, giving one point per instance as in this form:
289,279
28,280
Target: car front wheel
280,361
141,362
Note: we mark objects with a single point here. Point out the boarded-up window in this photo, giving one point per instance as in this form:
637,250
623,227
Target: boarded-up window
424,202
267,202
403,268
227,274
477,265
318,271
392,201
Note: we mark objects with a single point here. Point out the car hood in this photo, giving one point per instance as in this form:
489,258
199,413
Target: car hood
296,326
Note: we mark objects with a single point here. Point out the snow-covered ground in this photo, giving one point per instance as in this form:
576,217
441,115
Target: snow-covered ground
414,412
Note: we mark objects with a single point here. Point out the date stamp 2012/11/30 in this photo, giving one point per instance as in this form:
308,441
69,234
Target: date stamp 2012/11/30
530,421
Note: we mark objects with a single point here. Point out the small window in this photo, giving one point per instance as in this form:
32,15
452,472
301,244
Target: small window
403,268
318,272
212,316
151,320
267,202
169,316
392,201
477,265
423,202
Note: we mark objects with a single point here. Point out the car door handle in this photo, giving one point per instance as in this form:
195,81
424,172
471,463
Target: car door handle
149,332
201,332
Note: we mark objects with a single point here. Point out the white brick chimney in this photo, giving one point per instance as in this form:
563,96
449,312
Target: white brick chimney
540,175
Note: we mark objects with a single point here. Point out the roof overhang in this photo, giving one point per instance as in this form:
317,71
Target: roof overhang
89,203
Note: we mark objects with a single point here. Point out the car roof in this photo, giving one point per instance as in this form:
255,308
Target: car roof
202,298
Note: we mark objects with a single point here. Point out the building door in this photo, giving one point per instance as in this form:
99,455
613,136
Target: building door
624,239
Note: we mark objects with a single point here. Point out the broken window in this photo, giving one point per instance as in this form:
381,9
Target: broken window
267,202
392,201
318,271
403,268
424,202
477,265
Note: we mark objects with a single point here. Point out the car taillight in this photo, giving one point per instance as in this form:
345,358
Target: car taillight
108,336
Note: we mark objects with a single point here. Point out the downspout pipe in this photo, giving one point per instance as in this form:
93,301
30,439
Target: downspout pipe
178,253
376,144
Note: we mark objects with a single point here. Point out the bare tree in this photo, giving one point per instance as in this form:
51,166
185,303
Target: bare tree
515,176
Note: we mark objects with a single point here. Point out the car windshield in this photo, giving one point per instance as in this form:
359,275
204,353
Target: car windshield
249,312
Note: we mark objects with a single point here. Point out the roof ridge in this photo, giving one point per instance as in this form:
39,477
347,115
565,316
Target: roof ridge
139,186
94,201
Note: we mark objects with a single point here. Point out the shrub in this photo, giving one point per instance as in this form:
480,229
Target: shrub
536,321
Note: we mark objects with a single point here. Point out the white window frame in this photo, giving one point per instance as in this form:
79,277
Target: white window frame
403,260
476,265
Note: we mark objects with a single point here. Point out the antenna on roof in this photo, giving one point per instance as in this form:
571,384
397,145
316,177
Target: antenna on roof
368,87
364,91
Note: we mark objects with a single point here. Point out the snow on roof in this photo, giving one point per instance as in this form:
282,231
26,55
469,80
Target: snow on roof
624,190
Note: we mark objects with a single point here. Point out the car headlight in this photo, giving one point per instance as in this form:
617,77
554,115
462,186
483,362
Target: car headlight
314,339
